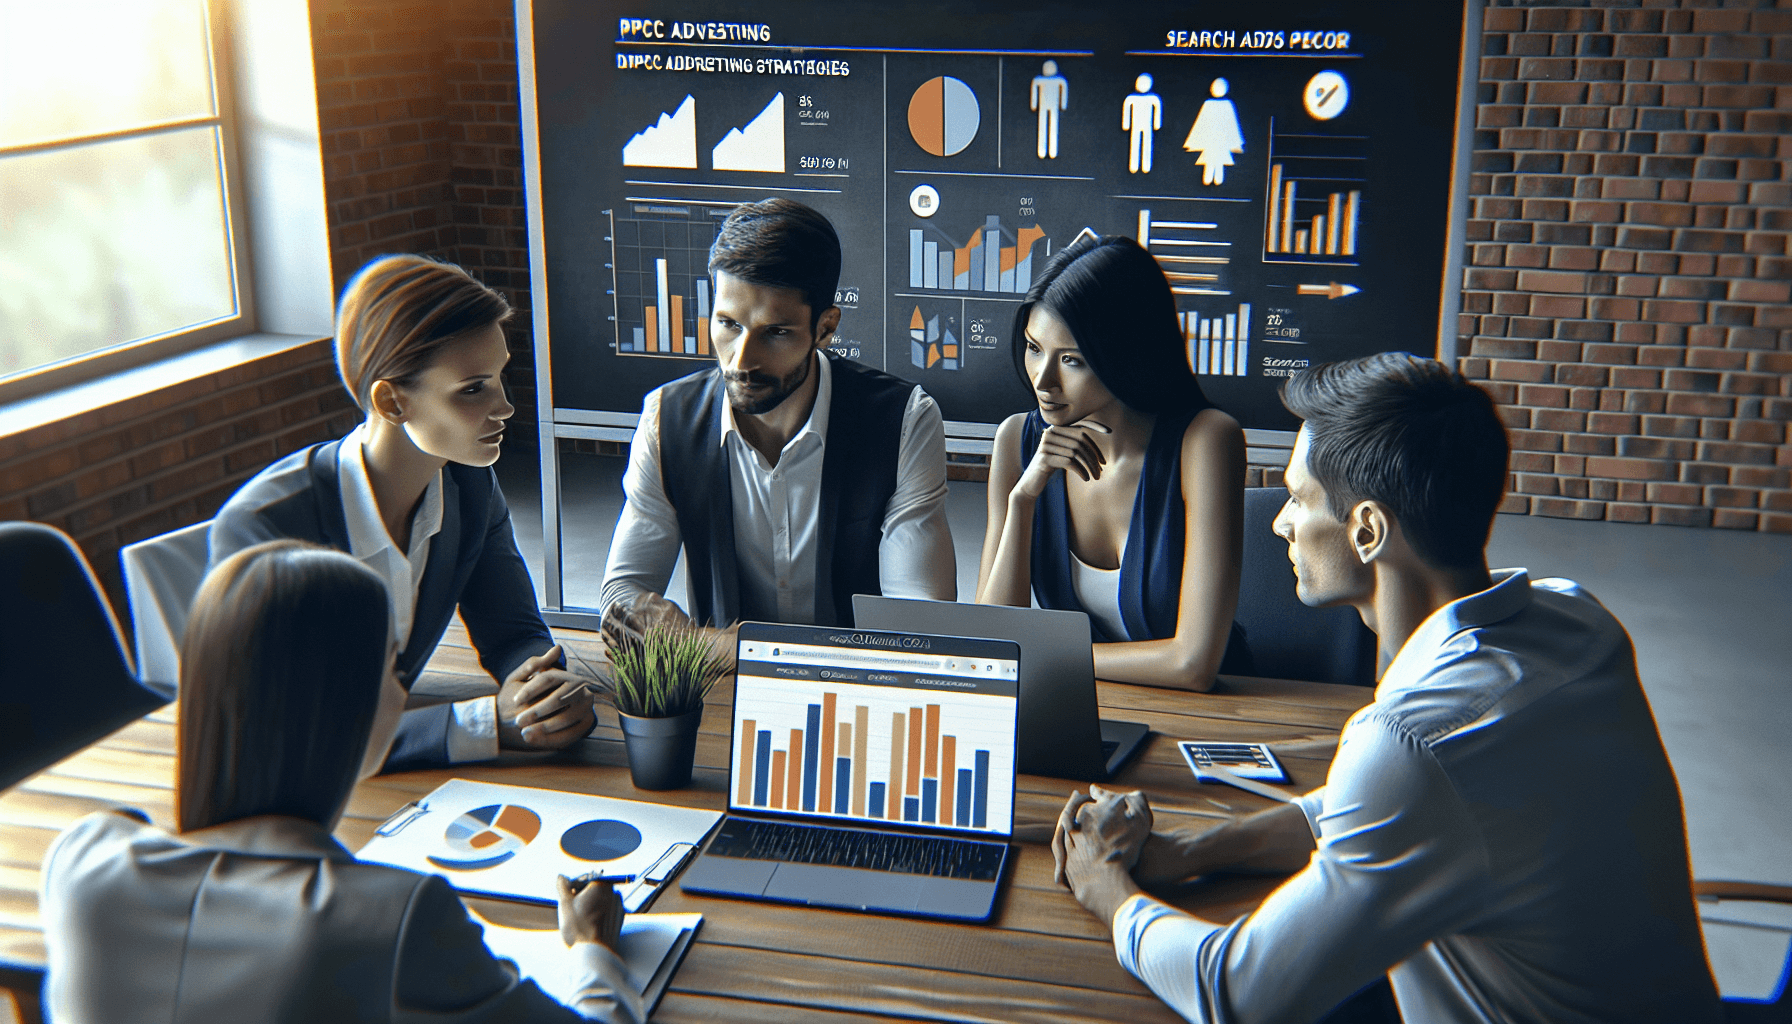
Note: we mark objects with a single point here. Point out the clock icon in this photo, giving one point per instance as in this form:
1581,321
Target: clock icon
1326,95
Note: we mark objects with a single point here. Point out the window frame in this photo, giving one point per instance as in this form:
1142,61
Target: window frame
133,353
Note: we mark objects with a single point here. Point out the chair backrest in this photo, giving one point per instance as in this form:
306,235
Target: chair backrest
161,576
1289,640
64,678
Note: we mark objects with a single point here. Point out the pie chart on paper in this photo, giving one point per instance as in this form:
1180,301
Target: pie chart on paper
943,116
491,835
603,839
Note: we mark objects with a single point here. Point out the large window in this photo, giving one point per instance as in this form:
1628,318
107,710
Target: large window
118,240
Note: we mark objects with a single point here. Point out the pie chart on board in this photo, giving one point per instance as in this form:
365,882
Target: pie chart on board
603,839
491,835
943,116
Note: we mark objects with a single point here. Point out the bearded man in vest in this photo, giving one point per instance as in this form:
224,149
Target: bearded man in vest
791,477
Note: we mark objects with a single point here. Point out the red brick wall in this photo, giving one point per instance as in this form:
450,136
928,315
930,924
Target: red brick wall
1626,294
422,150
134,469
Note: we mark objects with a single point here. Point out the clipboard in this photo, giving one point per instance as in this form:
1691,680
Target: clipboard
511,841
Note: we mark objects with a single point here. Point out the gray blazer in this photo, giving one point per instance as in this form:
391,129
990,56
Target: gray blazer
269,920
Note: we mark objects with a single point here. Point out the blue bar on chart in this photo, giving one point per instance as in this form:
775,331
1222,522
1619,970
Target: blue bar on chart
980,802
811,754
842,784
1218,345
930,795
911,809
762,765
965,787
874,805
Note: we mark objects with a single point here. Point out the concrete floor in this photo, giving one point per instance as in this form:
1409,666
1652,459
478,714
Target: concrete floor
1708,611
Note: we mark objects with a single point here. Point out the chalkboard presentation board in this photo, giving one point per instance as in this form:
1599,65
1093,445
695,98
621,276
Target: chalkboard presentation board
1289,164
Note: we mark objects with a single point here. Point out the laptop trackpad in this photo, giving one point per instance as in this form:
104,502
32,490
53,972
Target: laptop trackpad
728,875
826,885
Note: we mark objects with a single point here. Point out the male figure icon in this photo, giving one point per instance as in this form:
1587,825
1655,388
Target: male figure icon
1050,94
1141,114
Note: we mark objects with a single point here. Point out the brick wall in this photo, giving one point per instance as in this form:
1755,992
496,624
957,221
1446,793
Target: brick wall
422,149
134,469
1627,281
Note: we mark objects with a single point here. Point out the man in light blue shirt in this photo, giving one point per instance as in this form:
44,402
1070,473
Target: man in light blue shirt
1500,833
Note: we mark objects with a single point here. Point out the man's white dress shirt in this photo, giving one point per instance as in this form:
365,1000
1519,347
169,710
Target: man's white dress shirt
777,511
473,726
1500,833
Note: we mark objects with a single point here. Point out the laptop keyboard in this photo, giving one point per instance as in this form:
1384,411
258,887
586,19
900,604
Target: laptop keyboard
858,848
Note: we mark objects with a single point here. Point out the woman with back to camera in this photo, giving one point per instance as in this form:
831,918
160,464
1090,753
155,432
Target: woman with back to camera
1122,495
410,494
252,912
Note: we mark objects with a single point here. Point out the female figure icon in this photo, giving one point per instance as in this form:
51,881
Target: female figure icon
1215,135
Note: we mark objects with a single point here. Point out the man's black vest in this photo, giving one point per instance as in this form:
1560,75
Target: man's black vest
858,476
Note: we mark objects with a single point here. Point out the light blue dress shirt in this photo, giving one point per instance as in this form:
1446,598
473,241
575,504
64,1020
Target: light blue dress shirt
1500,833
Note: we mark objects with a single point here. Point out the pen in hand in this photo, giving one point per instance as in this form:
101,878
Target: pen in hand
593,877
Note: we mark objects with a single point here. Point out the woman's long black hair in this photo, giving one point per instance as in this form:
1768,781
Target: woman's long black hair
1111,294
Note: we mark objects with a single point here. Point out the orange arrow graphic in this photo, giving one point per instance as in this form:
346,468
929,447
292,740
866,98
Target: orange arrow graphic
1330,291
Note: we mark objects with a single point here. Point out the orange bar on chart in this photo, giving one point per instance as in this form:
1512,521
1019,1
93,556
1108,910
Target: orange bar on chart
703,336
1287,216
861,718
948,775
745,774
914,751
776,790
1319,234
824,791
931,767
795,786
893,796
1272,235
676,324
652,337
1332,212
1350,210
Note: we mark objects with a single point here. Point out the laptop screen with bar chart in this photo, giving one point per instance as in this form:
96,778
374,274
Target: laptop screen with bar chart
859,726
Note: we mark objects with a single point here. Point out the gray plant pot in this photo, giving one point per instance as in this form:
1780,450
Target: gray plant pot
661,751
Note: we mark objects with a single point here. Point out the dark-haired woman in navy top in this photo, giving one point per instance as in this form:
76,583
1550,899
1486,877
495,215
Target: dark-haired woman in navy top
1122,495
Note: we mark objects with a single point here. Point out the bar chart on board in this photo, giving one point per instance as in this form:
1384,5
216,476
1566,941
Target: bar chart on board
876,753
994,258
1218,345
1314,198
662,282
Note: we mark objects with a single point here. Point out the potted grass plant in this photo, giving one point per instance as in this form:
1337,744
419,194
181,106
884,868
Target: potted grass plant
657,682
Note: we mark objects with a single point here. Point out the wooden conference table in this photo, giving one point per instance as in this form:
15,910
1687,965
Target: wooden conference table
1042,958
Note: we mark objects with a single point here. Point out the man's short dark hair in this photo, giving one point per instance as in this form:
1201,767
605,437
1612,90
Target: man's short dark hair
1412,434
784,244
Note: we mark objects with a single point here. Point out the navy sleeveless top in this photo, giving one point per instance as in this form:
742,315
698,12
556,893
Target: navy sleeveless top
1151,565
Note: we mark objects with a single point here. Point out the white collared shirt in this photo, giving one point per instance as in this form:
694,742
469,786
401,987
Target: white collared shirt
473,726
1500,833
777,511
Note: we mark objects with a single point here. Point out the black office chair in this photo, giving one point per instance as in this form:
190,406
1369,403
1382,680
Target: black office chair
1289,640
1777,1010
65,681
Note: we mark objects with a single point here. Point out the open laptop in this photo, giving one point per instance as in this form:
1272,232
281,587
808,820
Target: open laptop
869,771
1061,733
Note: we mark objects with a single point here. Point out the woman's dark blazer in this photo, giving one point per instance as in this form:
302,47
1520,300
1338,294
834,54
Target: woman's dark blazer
473,565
